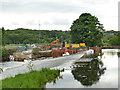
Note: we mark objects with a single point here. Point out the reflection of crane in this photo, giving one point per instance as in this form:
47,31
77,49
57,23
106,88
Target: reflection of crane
48,47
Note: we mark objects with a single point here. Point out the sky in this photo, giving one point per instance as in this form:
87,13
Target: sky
56,14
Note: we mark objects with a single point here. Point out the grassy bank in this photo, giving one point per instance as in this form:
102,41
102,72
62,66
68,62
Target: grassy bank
15,46
33,79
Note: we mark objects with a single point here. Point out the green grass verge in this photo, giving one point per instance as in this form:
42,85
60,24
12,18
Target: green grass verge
33,79
12,46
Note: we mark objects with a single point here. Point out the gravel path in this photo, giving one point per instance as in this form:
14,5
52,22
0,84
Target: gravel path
10,69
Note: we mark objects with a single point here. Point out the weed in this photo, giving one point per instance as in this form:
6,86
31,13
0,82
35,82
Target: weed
30,66
1,70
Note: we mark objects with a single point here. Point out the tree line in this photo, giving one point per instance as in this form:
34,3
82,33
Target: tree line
86,29
23,36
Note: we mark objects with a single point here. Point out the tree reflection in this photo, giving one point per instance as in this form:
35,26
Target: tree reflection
88,74
118,53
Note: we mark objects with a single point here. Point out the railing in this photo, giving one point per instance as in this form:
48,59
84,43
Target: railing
111,47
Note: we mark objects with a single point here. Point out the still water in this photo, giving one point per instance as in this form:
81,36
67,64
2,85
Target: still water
100,72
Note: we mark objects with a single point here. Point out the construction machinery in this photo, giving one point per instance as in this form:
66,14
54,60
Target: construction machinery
82,44
50,46
75,46
67,45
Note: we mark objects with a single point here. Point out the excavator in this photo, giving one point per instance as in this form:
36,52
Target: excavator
49,47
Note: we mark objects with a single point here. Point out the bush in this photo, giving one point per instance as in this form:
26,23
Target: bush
5,55
35,51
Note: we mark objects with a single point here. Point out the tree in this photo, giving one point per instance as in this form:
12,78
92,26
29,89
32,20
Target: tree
89,74
3,36
118,35
114,41
0,37
87,29
26,41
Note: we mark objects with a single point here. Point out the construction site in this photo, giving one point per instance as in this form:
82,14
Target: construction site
54,49
47,56
59,44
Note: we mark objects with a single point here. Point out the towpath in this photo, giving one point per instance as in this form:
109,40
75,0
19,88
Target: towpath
10,69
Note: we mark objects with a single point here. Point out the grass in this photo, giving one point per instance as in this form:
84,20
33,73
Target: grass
33,79
12,46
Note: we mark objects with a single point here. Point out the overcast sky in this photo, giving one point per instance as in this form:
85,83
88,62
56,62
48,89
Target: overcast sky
56,14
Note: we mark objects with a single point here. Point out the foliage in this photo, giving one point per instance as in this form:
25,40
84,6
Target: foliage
118,54
26,41
87,29
1,70
118,35
23,36
0,36
89,74
33,79
30,66
35,51
114,40
82,30
5,54
3,36
12,46
111,38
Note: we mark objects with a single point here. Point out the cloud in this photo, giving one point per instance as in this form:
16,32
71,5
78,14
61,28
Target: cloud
39,6
96,2
31,22
46,23
60,21
15,23
56,14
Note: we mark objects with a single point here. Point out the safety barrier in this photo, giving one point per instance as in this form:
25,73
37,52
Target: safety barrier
58,53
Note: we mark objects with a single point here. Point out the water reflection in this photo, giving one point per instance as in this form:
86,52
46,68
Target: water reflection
88,73
118,53
100,72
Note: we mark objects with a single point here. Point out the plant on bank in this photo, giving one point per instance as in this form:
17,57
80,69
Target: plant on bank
30,66
33,79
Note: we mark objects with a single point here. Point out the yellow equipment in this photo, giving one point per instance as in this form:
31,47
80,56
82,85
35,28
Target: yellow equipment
67,45
75,45
82,44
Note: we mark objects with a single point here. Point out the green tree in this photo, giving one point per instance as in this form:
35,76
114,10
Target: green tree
3,37
89,74
26,41
21,35
87,29
114,41
118,34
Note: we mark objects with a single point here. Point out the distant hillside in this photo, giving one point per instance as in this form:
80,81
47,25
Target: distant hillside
111,38
21,35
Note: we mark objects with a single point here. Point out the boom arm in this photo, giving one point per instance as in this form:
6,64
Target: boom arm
54,42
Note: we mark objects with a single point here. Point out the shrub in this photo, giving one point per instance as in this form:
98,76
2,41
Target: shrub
35,51
5,55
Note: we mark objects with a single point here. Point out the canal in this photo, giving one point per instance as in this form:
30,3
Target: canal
98,72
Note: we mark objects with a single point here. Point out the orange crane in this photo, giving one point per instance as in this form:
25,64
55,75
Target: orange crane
48,47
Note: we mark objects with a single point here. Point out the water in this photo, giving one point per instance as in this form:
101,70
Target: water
100,72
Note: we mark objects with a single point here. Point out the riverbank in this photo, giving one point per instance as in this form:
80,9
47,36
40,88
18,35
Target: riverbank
21,67
33,79
100,72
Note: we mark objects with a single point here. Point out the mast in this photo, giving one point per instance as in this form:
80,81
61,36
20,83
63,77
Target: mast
39,32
